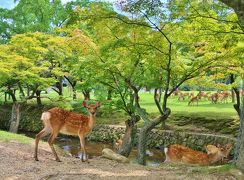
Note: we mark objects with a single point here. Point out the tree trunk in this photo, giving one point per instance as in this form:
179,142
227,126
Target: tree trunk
12,95
59,86
74,93
233,96
28,90
109,97
72,84
86,94
15,117
142,145
237,93
238,6
38,99
5,97
22,93
160,95
239,151
129,136
143,135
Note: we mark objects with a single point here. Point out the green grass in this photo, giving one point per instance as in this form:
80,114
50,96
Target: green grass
7,136
146,99
204,107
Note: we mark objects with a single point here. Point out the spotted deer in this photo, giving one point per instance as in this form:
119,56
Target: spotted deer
118,143
57,120
179,153
192,100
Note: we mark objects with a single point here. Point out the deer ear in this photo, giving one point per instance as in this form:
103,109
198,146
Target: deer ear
228,146
218,146
98,104
85,104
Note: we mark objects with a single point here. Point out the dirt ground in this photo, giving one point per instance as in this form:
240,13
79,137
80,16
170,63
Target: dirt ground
17,162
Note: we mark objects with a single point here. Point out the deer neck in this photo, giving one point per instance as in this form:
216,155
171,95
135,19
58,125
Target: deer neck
213,158
92,120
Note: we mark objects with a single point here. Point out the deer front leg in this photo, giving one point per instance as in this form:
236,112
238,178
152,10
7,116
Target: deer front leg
82,156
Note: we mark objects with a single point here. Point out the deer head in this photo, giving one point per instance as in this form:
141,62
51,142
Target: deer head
92,109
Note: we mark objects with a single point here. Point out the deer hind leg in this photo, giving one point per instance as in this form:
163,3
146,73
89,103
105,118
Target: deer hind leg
40,135
82,154
167,159
50,142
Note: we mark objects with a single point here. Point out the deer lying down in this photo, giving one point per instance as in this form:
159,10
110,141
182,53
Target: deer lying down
57,120
179,153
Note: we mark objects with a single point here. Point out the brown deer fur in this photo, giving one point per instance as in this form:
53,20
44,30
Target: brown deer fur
179,153
57,120
192,100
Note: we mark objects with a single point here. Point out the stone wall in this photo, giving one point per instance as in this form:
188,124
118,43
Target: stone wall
160,138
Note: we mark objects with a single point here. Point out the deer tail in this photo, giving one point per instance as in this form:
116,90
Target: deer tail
166,150
45,116
167,159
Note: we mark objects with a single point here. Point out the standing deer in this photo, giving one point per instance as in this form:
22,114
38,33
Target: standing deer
214,98
57,120
179,153
192,100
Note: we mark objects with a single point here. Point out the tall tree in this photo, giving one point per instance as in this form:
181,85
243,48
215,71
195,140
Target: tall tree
138,52
202,11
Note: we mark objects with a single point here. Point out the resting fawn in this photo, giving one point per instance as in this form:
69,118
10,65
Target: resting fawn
179,153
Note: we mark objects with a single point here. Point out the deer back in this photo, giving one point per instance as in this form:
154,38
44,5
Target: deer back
69,122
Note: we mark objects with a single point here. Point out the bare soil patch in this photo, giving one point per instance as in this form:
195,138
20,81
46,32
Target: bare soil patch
17,162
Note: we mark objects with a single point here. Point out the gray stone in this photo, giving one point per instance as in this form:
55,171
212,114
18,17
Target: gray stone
109,154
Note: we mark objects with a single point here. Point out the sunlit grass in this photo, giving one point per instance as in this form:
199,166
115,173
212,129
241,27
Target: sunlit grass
176,106
7,136
205,108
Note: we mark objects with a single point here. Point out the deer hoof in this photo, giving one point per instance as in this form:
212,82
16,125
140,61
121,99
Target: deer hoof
79,156
84,158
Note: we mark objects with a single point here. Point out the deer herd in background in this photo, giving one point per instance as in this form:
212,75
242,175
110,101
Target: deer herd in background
215,97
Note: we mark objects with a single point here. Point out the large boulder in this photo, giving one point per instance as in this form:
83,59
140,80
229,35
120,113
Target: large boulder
110,154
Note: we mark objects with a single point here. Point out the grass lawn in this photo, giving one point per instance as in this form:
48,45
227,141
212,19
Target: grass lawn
6,136
204,106
147,102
